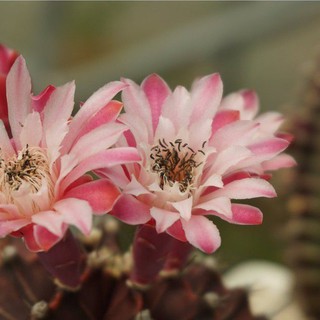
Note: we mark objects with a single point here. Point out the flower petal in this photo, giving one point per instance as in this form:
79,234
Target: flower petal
202,233
39,101
100,194
245,101
59,105
130,210
177,231
93,105
246,189
184,207
107,114
42,238
31,133
8,226
224,117
76,212
164,218
96,140
156,91
177,107
206,94
5,144
19,97
280,161
135,188
136,103
236,133
245,214
221,205
106,158
50,220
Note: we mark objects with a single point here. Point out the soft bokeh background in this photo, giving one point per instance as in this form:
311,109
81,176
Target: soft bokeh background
259,45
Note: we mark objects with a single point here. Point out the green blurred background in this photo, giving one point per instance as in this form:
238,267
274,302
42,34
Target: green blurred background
259,45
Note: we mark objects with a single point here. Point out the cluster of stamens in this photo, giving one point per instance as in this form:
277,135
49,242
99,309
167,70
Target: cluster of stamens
175,162
30,166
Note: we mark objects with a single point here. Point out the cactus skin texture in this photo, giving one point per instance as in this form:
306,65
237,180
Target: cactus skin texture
303,229
27,291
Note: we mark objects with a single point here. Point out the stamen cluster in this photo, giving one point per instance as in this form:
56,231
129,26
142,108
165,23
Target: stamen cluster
174,162
30,166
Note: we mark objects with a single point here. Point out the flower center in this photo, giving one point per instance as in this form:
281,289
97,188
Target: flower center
175,162
26,171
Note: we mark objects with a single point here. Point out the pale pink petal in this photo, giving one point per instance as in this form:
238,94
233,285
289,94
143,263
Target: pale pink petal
130,210
184,207
245,214
156,91
11,211
31,132
165,130
238,132
232,102
201,132
50,220
6,227
136,102
164,218
100,194
59,105
39,101
206,94
246,189
245,101
5,144
270,146
270,121
228,158
82,180
116,174
280,161
177,107
202,233
76,212
251,104
138,129
263,151
107,158
213,180
222,118
19,97
96,140
221,205
107,114
135,188
93,105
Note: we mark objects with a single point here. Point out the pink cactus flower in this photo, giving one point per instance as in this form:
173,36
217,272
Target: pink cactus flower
7,58
198,153
44,187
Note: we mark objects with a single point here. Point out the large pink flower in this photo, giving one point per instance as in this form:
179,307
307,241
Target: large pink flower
198,153
44,160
